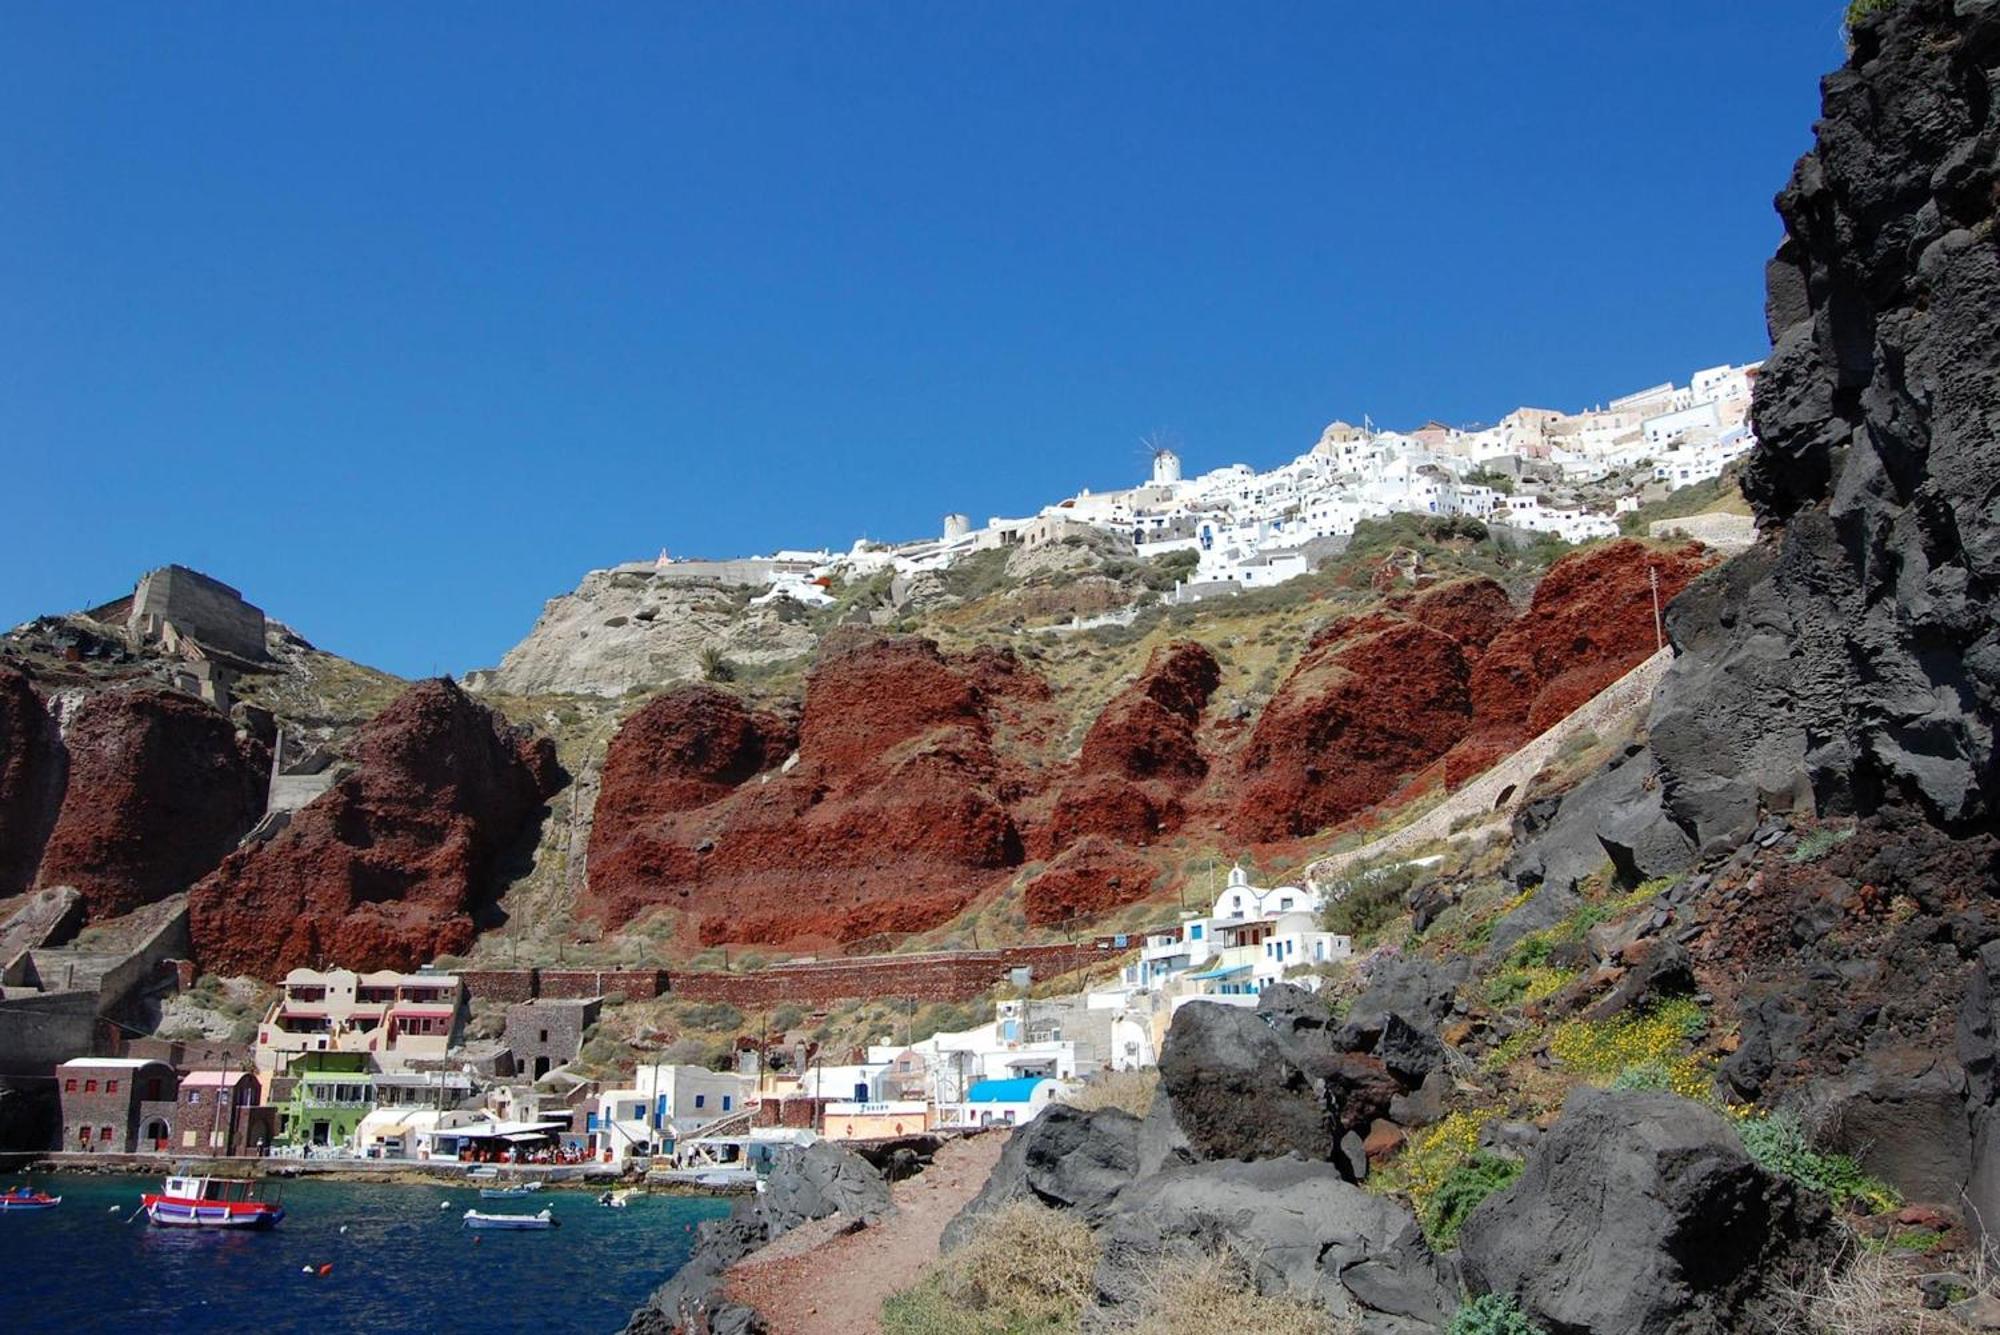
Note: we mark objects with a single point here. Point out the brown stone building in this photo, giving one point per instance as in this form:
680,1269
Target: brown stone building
548,1033
217,1113
111,1104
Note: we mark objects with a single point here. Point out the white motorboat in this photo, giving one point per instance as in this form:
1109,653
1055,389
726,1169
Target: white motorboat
545,1219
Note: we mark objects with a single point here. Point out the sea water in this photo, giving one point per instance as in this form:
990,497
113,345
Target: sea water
404,1262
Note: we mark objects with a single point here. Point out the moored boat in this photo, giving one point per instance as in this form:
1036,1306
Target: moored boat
546,1219
210,1202
506,1193
25,1198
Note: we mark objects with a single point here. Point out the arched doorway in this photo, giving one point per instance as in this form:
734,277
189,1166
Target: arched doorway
155,1135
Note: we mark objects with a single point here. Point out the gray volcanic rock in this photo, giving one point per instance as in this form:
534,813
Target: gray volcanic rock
1770,1042
1852,659
1301,1229
1902,1115
1640,1214
1066,1158
1295,1014
1235,1092
695,1290
1421,991
1664,971
1551,904
1616,814
822,1180
1979,1056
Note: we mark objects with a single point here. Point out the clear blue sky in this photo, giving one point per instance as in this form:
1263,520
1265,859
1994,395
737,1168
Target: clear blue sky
401,317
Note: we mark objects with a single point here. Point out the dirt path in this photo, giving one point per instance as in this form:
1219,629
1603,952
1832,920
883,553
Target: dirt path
819,1280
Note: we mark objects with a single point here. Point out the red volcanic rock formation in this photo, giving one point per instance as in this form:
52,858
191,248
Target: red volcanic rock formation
159,789
386,868
892,820
1111,806
1374,699
30,780
684,749
1471,611
1095,875
1140,756
1590,623
1448,672
1147,732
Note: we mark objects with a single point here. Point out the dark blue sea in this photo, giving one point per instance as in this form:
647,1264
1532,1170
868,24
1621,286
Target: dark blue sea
404,1263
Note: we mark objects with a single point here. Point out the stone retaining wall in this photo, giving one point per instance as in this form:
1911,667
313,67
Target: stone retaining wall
938,976
952,976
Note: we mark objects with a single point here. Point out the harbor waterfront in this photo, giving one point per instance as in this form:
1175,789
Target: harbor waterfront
400,1258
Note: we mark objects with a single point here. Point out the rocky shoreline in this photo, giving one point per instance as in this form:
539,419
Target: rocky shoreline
392,1172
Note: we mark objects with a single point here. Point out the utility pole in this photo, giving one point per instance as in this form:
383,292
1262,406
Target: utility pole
1659,634
221,1093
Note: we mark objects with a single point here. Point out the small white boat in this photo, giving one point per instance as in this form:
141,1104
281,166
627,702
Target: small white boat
546,1219
507,1193
617,1200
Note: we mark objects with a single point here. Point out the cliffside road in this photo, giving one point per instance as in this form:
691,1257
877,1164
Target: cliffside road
817,1280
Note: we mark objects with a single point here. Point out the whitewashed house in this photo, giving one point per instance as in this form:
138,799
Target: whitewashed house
662,1104
1010,1102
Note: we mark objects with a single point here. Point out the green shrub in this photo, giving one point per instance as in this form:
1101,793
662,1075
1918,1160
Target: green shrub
1532,952
714,1016
1858,10
974,577
1779,1145
1368,899
1644,1075
714,667
1161,573
1491,1314
1819,843
1462,1189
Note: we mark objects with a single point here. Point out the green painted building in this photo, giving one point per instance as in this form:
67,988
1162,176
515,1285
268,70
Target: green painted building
331,1093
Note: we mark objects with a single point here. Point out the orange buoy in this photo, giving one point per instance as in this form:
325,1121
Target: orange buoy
326,1269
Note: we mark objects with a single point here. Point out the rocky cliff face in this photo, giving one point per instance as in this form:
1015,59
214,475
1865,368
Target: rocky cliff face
892,818
1853,659
915,782
138,798
388,867
160,786
31,775
621,630
1449,674
1375,699
1590,622
1140,758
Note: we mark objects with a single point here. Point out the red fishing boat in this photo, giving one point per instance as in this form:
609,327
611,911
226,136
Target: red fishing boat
211,1202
